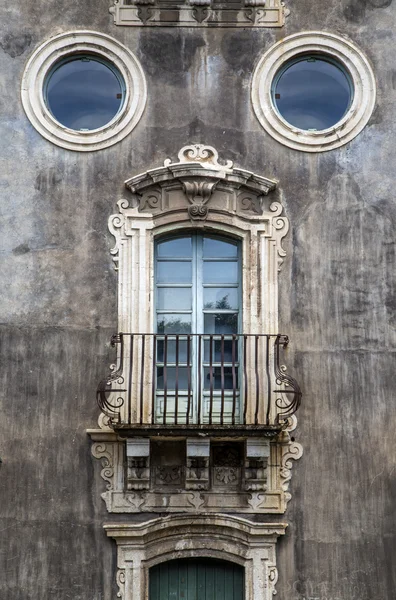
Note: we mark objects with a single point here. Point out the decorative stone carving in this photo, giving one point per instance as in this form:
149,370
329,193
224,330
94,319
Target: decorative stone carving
207,155
120,578
197,472
168,475
143,545
223,497
198,194
198,13
138,464
256,461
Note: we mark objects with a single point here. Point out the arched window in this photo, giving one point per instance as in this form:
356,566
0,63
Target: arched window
198,317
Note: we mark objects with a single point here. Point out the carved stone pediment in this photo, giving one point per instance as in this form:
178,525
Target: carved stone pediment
198,183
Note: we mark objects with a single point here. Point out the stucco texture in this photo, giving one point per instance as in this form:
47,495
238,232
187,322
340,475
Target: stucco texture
58,301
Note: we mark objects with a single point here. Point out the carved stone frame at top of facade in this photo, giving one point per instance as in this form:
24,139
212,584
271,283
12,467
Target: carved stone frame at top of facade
143,545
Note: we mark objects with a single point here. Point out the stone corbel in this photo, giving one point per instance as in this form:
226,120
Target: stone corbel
198,194
138,464
198,456
256,461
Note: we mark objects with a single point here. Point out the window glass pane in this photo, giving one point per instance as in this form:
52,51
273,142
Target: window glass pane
170,374
221,323
213,248
171,351
224,298
216,351
220,272
84,93
313,93
216,378
174,272
174,323
174,298
178,247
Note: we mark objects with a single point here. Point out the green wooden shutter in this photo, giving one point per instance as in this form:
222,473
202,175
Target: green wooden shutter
196,579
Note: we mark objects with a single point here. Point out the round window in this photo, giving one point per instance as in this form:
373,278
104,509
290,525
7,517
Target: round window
84,92
312,92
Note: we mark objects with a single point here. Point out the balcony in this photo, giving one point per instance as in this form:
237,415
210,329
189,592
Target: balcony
184,384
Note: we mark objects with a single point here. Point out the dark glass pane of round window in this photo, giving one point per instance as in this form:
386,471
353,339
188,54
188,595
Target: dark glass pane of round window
84,93
312,93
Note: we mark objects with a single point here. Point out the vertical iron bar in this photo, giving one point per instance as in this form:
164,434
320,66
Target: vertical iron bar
142,375
257,379
177,379
165,377
130,379
210,379
245,380
200,367
267,364
222,378
233,380
154,379
188,378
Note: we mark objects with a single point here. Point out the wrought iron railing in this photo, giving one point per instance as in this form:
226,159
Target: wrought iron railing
199,379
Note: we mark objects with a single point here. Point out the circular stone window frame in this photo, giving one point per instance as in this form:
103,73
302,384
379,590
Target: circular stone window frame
42,63
350,58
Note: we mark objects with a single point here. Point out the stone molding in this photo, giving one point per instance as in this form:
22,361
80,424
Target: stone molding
321,42
199,13
143,545
101,45
196,191
272,499
237,203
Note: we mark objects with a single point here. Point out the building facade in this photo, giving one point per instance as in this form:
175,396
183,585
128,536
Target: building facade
217,267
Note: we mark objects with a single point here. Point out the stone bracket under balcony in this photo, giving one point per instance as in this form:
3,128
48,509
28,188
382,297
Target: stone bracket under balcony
196,474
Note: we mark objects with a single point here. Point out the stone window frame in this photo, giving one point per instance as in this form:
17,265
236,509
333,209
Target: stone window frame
354,62
83,42
141,546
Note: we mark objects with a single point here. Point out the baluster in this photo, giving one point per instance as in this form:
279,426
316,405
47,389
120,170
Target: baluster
188,378
177,379
165,377
245,379
142,375
130,378
233,380
257,379
267,368
154,379
210,378
222,378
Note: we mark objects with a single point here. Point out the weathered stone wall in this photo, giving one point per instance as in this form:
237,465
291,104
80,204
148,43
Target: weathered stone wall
58,301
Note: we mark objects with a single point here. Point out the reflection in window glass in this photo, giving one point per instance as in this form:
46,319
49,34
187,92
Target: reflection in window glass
174,298
228,351
214,248
170,374
176,248
171,351
215,378
84,92
177,323
312,92
220,272
174,272
222,298
221,323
